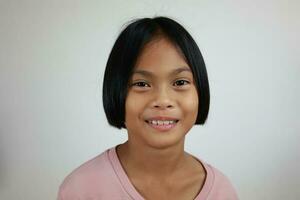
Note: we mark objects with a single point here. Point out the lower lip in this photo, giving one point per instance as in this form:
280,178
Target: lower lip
162,127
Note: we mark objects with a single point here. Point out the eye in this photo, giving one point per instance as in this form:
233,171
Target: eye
141,84
181,82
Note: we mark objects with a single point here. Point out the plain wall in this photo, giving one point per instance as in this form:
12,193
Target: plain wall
52,60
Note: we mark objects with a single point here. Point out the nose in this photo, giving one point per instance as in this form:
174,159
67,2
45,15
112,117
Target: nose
162,99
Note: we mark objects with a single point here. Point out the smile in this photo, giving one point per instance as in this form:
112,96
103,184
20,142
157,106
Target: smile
162,125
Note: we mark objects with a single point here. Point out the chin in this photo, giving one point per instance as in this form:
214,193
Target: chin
165,142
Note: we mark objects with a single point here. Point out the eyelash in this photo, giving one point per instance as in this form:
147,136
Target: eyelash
136,84
185,81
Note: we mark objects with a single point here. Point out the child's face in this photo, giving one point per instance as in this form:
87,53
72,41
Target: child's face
156,90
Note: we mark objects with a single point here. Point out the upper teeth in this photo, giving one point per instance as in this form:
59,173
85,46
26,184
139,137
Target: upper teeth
160,122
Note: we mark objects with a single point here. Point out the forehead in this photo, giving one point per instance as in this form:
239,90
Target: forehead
160,56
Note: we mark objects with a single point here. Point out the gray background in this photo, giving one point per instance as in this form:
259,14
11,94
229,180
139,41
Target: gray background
52,59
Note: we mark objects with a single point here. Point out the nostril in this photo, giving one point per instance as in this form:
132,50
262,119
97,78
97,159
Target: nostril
162,106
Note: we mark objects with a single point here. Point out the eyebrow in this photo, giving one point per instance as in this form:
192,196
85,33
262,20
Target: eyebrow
174,72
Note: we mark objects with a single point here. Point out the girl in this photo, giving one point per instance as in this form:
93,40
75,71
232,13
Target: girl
156,87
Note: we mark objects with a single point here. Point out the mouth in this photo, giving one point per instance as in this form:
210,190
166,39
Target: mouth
162,125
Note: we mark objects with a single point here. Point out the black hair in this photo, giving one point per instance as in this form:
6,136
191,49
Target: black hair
123,57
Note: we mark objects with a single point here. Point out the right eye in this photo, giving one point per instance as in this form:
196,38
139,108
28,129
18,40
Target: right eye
141,84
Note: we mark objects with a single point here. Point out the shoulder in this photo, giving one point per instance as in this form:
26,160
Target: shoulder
221,186
90,178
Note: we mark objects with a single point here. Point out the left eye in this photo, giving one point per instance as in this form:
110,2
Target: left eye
181,82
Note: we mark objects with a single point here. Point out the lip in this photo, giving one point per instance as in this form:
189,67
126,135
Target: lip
161,118
162,128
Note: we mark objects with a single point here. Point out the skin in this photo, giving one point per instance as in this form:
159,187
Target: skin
155,161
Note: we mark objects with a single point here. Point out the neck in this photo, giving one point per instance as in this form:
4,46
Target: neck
145,161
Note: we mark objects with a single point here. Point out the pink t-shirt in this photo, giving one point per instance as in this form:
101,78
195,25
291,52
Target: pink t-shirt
103,178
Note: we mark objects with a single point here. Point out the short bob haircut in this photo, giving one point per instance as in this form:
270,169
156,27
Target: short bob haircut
125,52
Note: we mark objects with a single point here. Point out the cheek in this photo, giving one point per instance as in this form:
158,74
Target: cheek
133,107
191,103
